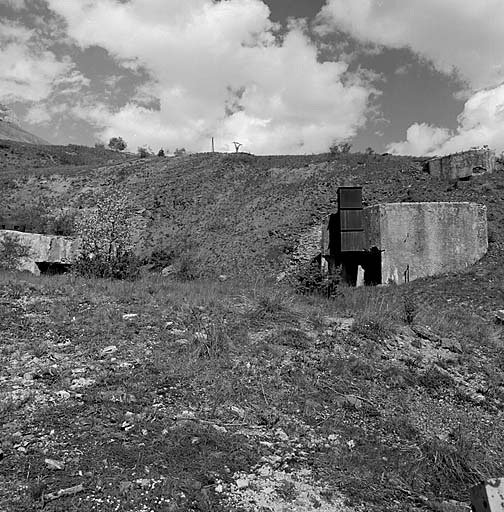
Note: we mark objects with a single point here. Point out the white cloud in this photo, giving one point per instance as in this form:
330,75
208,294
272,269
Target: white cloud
38,114
28,69
480,124
14,4
459,36
421,139
454,34
218,69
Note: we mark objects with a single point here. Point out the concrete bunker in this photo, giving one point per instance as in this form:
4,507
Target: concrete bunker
46,254
400,242
462,166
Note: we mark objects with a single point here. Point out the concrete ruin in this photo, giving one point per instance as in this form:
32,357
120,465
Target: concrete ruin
402,242
46,253
462,166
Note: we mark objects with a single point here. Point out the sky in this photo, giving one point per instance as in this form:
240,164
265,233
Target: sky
418,77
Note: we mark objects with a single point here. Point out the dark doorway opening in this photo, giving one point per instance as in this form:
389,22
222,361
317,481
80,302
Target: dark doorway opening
372,267
369,261
49,268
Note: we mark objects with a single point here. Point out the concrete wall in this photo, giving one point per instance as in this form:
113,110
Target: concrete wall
425,239
43,249
462,165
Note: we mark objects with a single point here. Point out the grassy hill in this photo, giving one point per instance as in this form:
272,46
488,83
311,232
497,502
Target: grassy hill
232,395
34,159
236,213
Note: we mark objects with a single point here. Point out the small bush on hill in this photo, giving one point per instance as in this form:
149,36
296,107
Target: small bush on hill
309,280
341,147
144,152
179,152
117,143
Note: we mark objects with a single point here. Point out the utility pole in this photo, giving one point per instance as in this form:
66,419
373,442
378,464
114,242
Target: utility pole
213,147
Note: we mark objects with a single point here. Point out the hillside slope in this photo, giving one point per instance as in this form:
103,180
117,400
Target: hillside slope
237,214
25,159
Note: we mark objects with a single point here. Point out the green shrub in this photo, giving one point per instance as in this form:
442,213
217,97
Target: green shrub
117,143
118,266
144,152
309,280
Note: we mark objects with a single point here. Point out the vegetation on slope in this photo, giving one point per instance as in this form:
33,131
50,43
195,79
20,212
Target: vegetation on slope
162,395
238,214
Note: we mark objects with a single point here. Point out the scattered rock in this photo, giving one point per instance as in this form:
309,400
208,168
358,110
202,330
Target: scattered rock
82,382
64,395
242,483
238,411
129,316
499,316
168,271
451,345
55,465
281,434
69,491
223,277
426,333
110,349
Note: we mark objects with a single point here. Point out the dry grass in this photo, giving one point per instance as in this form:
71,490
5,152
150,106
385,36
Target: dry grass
207,377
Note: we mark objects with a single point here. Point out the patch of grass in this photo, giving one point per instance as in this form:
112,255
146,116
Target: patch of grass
436,380
213,377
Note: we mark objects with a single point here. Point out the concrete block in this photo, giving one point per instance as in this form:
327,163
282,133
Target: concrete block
462,165
43,249
488,496
424,239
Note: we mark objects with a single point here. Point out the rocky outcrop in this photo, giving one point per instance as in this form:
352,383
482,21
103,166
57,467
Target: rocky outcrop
43,250
462,165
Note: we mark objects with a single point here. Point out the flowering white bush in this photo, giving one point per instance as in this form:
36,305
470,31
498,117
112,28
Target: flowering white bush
107,233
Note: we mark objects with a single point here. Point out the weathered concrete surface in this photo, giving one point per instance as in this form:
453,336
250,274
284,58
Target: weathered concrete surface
488,496
425,239
43,249
462,165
